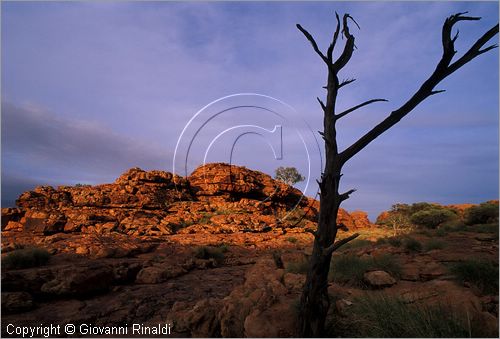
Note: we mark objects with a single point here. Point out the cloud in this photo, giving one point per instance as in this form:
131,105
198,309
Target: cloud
40,146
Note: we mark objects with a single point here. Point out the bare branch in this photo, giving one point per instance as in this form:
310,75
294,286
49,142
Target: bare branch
438,91
329,53
330,249
349,45
352,109
346,82
443,69
313,43
322,104
345,196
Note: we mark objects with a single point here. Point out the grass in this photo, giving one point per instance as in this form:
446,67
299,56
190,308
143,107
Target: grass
434,244
390,317
412,245
357,243
349,269
481,273
26,257
206,252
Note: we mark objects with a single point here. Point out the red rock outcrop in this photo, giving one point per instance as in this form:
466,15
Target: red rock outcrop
215,198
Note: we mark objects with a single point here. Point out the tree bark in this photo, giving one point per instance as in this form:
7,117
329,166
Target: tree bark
314,303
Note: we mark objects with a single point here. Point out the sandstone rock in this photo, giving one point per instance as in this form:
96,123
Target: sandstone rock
158,273
200,321
10,215
379,279
14,302
80,281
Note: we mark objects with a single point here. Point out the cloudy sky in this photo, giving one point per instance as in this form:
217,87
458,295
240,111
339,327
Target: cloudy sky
92,89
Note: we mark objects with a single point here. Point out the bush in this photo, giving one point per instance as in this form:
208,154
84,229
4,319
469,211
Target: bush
485,228
394,241
293,240
351,268
441,232
434,244
389,317
453,226
432,217
299,267
484,213
413,245
205,252
483,274
27,257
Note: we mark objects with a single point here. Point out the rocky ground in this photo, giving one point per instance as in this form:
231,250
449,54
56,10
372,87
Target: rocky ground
219,253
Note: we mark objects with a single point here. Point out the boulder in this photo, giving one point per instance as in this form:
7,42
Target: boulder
378,279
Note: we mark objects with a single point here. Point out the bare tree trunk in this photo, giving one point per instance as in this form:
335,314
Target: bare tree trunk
314,303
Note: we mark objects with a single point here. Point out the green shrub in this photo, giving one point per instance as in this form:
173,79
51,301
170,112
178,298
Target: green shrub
389,317
412,245
483,274
434,244
351,268
26,257
299,267
357,243
206,252
484,213
441,232
394,241
485,228
293,240
453,226
348,269
432,217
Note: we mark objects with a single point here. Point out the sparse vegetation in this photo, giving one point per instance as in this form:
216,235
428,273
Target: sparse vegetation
385,317
481,273
351,268
293,240
26,257
484,213
434,244
412,245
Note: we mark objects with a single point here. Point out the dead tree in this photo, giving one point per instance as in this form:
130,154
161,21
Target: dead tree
314,302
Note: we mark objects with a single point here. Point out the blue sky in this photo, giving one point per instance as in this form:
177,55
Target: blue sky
92,89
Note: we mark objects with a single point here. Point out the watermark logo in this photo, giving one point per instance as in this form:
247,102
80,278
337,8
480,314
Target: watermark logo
252,130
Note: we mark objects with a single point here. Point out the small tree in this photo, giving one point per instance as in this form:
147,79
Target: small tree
289,175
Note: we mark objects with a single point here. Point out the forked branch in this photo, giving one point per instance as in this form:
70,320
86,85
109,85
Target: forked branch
443,69
330,249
